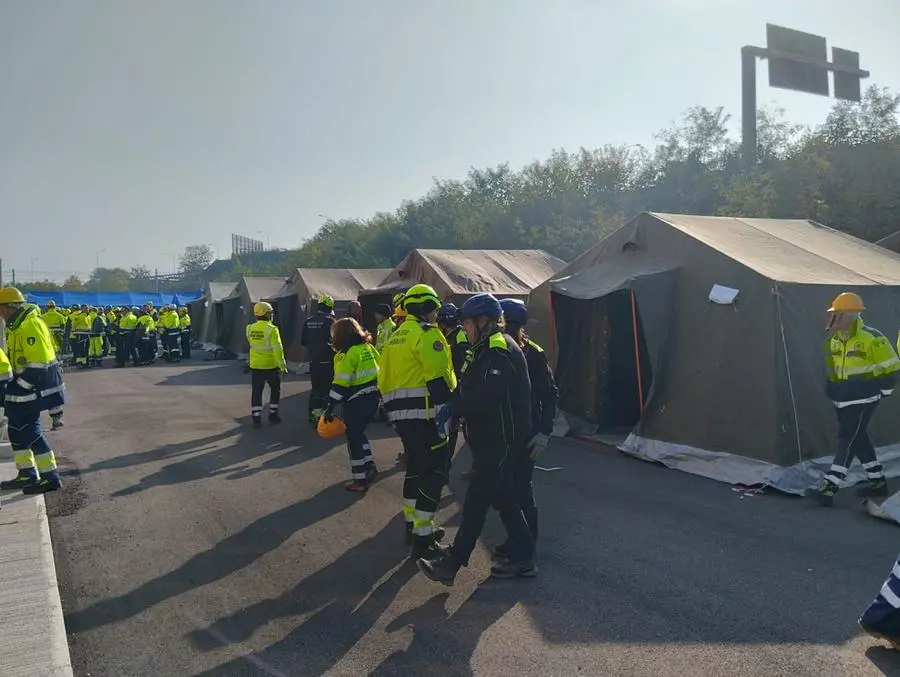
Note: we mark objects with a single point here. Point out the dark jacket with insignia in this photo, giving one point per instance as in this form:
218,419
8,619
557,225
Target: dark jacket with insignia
494,398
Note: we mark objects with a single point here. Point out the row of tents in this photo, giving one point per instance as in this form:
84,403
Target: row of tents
693,341
222,313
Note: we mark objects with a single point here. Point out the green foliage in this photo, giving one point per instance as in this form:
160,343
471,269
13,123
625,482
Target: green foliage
844,173
108,279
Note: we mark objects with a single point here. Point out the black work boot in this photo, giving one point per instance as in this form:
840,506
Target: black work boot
257,421
440,570
501,551
426,547
509,569
20,481
824,494
873,488
45,485
57,422
274,417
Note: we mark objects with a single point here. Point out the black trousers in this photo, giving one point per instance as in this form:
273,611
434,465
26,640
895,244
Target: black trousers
321,374
426,472
853,442
523,485
492,485
147,349
127,348
258,380
186,345
358,414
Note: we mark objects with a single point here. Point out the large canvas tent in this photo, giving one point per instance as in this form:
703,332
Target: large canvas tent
205,319
457,274
235,312
703,337
303,288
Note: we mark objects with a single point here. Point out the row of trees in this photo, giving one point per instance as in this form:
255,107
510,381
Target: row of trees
191,264
843,173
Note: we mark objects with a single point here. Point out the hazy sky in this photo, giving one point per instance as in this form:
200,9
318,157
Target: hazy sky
143,127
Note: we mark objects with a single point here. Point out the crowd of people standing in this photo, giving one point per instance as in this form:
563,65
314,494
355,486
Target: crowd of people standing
432,370
136,334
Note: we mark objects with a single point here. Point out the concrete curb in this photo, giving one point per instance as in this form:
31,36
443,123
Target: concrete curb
33,639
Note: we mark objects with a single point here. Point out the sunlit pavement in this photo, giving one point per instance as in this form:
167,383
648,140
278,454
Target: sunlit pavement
188,543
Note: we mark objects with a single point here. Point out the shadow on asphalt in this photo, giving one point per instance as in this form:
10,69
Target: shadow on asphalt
228,556
345,598
885,659
203,457
223,373
443,644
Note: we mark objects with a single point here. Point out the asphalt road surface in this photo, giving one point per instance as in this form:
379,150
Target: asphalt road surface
188,543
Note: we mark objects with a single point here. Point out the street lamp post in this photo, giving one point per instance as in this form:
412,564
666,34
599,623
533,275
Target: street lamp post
97,257
173,261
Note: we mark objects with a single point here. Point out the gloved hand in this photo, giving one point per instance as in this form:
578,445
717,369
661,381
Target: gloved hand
442,416
329,412
536,445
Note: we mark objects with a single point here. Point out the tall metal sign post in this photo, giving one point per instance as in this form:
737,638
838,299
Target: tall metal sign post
799,62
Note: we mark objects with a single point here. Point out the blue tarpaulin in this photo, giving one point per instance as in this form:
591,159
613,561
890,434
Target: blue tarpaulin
110,298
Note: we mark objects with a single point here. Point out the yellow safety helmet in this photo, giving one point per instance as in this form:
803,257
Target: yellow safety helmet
182,309
262,308
398,299
10,295
330,429
399,312
847,302
326,300
420,293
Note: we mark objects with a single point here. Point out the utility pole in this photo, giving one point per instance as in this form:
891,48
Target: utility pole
13,277
156,275
799,62
1,272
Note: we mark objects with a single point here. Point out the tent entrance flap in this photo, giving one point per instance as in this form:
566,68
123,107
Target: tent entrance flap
605,379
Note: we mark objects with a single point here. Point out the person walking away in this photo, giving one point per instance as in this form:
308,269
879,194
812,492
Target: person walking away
184,325
385,326
355,387
415,380
83,336
881,619
95,341
56,323
266,363
494,398
316,339
448,321
544,396
172,337
36,386
146,337
128,324
862,367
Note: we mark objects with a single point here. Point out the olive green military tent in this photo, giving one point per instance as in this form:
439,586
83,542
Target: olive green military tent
204,320
236,311
702,337
298,296
457,274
